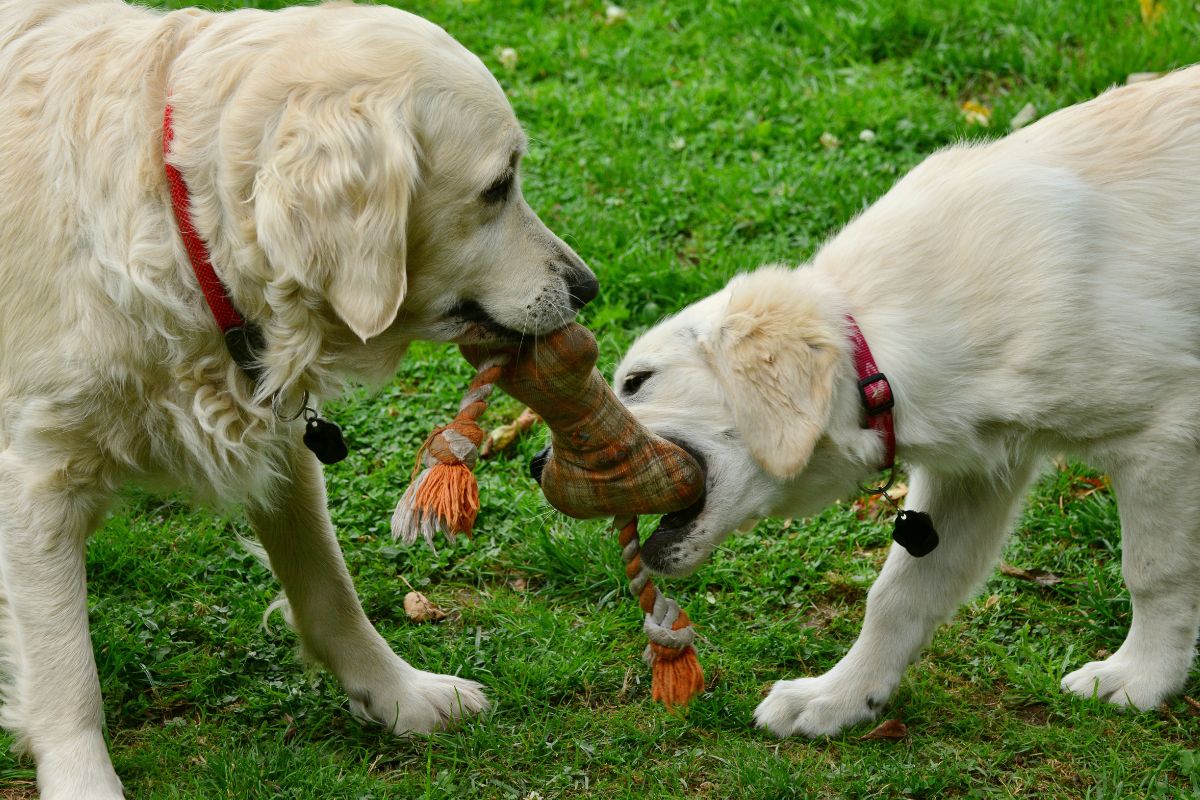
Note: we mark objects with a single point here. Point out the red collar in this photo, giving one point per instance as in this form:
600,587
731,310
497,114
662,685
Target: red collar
876,393
243,340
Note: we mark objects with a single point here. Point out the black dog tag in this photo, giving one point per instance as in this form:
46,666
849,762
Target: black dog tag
914,532
324,438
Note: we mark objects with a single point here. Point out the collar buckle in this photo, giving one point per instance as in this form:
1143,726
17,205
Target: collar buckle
876,394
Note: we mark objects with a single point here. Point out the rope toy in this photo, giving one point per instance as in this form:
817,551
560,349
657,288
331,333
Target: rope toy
602,463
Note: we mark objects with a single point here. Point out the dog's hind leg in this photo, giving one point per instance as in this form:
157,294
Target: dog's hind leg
299,539
54,705
1159,504
911,597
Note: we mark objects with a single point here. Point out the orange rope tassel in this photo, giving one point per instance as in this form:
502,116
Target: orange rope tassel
451,494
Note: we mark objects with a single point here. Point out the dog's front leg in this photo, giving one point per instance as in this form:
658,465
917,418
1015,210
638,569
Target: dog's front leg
299,538
905,605
54,706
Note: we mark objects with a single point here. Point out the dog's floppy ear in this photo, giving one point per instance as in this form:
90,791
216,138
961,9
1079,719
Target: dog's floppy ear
775,359
332,202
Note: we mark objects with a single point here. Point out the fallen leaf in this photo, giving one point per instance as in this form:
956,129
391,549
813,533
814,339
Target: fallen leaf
976,113
615,15
891,730
1152,10
502,437
1089,487
419,608
518,584
1026,115
874,506
1039,576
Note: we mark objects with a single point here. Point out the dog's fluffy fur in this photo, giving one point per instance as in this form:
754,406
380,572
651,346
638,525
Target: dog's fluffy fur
353,171
1036,295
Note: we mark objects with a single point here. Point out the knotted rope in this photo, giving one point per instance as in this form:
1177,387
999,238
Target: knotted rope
676,673
444,496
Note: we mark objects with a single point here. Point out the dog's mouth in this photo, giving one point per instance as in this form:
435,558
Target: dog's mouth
661,552
479,327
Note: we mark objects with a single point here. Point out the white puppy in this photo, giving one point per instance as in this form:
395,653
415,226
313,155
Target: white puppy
1035,295
353,171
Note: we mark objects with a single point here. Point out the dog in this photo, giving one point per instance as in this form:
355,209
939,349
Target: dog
354,175
1036,295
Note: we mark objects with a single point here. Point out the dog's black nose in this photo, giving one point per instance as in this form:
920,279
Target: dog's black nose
583,287
538,463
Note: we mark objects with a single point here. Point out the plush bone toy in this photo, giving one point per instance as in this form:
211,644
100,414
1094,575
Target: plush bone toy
602,463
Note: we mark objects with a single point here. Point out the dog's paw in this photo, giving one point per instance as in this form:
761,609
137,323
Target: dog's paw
76,768
419,702
1121,682
814,707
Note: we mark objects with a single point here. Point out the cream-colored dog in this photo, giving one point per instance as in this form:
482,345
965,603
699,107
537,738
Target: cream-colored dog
353,171
1035,295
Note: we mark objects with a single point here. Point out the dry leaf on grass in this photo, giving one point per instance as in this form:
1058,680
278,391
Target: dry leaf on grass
891,730
976,113
419,608
1086,487
1039,576
503,437
1152,11
874,506
1026,115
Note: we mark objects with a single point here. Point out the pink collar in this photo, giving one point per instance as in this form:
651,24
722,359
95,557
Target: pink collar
876,393
242,338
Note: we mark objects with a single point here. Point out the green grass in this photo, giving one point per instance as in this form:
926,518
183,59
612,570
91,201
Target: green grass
671,150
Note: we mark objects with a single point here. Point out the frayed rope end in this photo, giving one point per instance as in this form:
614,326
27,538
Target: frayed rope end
675,673
675,681
444,497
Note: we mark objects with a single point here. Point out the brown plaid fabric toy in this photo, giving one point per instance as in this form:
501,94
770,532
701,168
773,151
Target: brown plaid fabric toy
602,463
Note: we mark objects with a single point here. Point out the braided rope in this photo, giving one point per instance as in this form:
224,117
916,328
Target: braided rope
677,673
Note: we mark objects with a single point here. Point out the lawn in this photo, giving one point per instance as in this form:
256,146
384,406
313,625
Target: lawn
672,147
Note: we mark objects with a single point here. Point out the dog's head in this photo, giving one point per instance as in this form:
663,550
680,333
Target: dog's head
753,380
372,165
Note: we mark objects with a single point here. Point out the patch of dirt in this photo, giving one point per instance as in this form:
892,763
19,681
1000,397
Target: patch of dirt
821,615
1033,714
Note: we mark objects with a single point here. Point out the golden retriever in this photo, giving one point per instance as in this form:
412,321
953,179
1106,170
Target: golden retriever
354,173
1035,295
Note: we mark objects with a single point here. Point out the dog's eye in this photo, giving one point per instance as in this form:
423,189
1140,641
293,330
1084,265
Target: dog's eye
634,381
498,191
